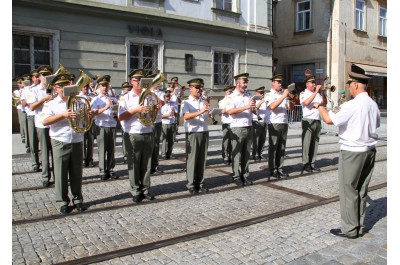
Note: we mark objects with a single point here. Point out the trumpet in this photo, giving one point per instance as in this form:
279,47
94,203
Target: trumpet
327,85
206,98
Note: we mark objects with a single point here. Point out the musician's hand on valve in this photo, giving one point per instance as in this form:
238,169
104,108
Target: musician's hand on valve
69,114
317,88
286,92
48,97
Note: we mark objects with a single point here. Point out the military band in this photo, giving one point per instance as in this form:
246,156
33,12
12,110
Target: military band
246,122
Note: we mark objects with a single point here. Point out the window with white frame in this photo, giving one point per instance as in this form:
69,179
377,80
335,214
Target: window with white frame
224,65
382,21
360,15
303,15
143,56
30,50
224,5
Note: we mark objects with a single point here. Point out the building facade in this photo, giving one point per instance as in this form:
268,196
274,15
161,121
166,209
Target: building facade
210,39
328,38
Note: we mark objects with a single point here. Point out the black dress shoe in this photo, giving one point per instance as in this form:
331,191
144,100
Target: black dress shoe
239,182
203,190
36,169
167,157
192,191
260,157
104,176
138,198
148,197
112,174
338,232
79,207
229,161
64,209
306,168
254,157
23,141
28,150
90,164
46,184
247,182
315,169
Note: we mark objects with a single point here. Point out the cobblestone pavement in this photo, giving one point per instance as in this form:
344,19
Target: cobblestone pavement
299,238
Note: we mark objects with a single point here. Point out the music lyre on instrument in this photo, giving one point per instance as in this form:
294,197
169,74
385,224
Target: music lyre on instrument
83,122
148,98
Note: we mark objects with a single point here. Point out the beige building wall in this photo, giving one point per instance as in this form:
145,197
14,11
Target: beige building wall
332,44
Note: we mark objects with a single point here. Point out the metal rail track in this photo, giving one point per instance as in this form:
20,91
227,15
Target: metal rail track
204,233
214,166
159,200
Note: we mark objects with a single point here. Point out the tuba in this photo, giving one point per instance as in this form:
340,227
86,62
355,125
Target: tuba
83,122
148,98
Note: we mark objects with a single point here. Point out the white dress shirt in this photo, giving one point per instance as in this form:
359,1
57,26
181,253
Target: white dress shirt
243,119
199,123
308,111
278,115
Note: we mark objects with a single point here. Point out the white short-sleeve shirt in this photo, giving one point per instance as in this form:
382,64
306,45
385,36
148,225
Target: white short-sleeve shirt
105,119
133,125
308,111
357,121
199,123
225,118
60,131
243,119
278,115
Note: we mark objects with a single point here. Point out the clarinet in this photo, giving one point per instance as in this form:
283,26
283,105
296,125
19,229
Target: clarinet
255,109
206,98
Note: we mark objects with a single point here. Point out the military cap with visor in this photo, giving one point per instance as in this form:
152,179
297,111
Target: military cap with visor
61,79
126,85
278,78
34,72
229,88
260,89
244,76
358,75
309,79
174,78
196,82
26,77
103,80
45,70
19,79
137,73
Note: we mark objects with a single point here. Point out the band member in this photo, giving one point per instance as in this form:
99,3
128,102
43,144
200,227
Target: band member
226,128
36,103
157,128
239,107
17,94
259,125
357,121
138,139
28,98
278,103
311,123
195,115
168,111
67,148
88,139
24,107
102,108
